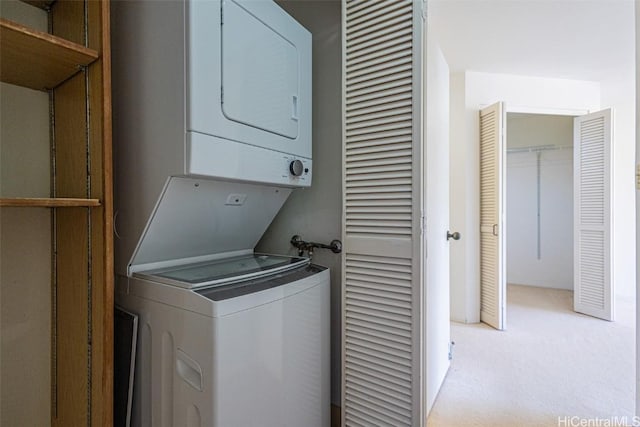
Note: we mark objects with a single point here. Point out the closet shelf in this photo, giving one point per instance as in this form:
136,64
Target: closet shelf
38,60
48,202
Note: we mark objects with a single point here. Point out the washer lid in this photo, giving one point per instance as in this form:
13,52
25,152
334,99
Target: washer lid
223,271
199,220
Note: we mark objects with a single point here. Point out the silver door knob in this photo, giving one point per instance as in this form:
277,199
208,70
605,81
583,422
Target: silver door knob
455,235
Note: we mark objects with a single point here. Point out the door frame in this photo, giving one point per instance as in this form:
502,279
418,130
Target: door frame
523,109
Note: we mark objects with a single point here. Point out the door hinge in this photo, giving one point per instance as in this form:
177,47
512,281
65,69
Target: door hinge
451,344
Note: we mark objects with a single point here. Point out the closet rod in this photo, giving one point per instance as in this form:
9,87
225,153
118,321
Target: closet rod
538,148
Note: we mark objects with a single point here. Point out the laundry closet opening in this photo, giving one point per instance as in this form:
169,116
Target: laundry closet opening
539,200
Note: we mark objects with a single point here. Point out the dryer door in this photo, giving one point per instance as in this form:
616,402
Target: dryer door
260,73
249,86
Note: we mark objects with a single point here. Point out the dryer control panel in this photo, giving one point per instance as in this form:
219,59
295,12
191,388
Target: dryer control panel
297,170
215,157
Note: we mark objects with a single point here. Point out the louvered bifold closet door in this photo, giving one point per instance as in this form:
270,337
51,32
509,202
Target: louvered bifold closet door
593,275
382,188
492,262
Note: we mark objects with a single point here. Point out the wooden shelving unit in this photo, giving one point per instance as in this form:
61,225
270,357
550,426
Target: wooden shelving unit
74,65
60,202
38,60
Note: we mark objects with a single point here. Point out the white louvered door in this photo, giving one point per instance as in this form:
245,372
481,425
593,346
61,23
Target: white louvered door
382,335
492,230
593,275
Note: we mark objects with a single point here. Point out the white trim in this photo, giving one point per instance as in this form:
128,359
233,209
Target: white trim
523,109
419,209
526,109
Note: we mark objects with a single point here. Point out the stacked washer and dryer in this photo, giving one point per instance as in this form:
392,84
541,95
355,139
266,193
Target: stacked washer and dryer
212,128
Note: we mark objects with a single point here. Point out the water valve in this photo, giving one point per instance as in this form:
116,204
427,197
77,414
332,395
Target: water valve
335,246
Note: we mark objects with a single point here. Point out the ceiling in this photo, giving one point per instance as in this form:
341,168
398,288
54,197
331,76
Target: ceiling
576,39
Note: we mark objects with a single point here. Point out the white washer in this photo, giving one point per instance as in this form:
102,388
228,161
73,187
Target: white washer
227,337
253,352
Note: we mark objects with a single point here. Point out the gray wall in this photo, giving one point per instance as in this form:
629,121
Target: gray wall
315,213
25,246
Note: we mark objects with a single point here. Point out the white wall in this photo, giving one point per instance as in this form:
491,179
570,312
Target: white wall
637,157
618,92
469,92
315,213
25,246
437,217
552,267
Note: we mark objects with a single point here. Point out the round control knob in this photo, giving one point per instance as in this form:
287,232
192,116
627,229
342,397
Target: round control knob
296,168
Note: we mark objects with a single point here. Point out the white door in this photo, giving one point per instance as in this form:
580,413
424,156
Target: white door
383,262
437,313
492,229
593,276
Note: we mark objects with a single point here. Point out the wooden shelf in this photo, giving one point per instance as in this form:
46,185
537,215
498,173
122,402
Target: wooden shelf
42,4
79,81
48,202
38,60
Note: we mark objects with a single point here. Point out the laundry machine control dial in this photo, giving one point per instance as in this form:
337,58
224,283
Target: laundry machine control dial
296,168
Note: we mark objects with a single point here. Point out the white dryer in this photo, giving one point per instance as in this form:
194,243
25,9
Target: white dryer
227,337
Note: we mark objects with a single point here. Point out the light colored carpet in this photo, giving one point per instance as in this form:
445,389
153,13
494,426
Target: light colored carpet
549,363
